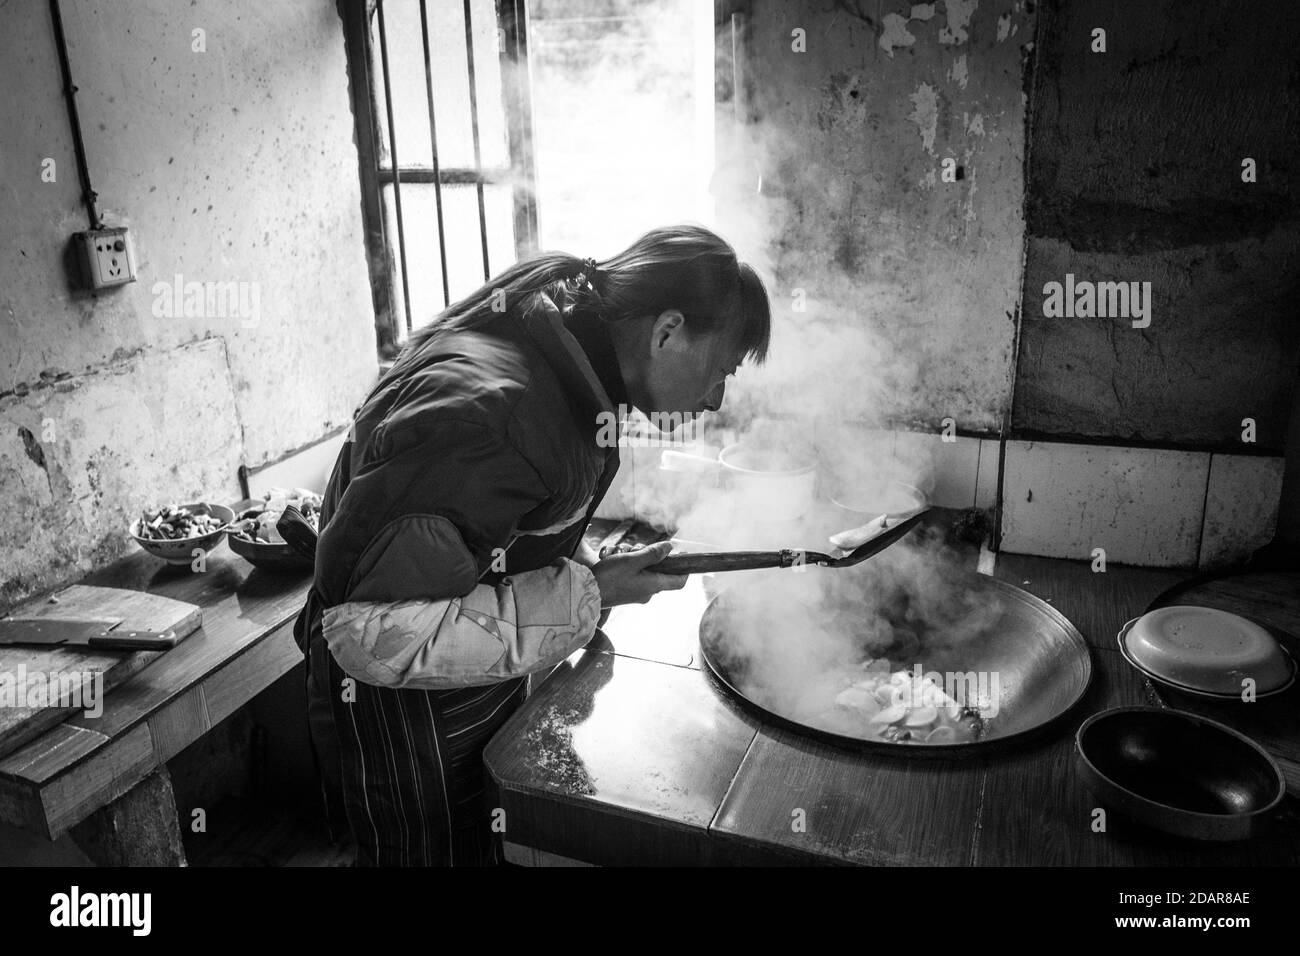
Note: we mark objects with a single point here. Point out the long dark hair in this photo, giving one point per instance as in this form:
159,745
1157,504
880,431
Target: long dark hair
684,267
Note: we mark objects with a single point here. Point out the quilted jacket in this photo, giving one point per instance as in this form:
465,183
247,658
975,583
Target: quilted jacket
458,501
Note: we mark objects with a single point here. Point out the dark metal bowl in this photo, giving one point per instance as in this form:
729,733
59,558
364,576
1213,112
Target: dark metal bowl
1179,773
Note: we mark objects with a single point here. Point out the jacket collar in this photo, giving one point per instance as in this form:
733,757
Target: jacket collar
579,350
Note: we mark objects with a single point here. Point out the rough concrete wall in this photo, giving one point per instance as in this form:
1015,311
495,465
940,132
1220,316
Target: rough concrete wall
918,277
1135,175
232,165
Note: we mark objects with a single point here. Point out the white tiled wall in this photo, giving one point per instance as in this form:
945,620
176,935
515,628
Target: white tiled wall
957,474
308,468
986,477
956,471
1152,507
945,471
618,501
1142,506
1241,507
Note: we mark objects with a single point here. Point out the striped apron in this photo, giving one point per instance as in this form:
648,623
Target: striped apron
404,768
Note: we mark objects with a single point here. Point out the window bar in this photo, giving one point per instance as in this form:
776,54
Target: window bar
473,119
392,155
449,176
363,86
513,17
433,142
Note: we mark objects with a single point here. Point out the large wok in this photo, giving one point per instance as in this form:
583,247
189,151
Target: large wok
1042,660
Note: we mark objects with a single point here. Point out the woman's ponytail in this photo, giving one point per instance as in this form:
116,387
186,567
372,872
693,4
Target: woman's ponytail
687,268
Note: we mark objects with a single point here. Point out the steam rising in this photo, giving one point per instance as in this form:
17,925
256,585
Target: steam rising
799,637
844,366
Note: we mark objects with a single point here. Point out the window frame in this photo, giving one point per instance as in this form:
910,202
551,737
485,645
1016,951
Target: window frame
384,246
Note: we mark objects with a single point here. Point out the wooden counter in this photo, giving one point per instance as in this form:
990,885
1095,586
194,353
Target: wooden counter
630,754
244,644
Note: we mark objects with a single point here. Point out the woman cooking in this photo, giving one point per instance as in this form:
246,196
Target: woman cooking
451,562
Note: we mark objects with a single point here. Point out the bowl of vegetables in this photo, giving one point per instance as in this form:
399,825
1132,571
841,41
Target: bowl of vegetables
254,537
180,533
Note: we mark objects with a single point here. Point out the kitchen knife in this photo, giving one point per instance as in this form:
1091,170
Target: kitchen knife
65,632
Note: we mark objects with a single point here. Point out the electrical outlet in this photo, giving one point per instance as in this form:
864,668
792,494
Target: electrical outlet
107,257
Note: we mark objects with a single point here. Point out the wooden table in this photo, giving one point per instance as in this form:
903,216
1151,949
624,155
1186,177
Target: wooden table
630,753
84,765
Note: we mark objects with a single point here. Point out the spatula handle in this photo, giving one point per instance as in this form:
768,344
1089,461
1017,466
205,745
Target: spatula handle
705,562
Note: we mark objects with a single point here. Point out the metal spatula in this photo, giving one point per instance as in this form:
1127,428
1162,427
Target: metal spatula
714,561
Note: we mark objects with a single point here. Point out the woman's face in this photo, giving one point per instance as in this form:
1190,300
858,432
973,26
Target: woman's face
686,369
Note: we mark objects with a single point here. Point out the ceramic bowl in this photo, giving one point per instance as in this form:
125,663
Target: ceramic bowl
181,550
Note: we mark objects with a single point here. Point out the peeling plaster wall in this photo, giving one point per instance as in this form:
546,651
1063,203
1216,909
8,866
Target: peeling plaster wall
854,132
232,165
1135,175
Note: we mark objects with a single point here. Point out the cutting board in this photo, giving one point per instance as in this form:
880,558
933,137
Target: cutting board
137,610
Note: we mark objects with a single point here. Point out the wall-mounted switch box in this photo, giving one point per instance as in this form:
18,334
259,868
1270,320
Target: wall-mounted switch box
107,257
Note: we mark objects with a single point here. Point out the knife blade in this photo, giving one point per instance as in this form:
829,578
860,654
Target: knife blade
66,632
42,631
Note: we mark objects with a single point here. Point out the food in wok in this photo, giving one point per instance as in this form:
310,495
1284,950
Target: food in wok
901,706
907,654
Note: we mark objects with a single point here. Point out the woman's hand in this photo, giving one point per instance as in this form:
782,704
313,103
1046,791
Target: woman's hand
629,577
586,555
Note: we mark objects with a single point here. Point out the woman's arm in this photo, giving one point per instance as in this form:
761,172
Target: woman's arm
399,563
529,622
